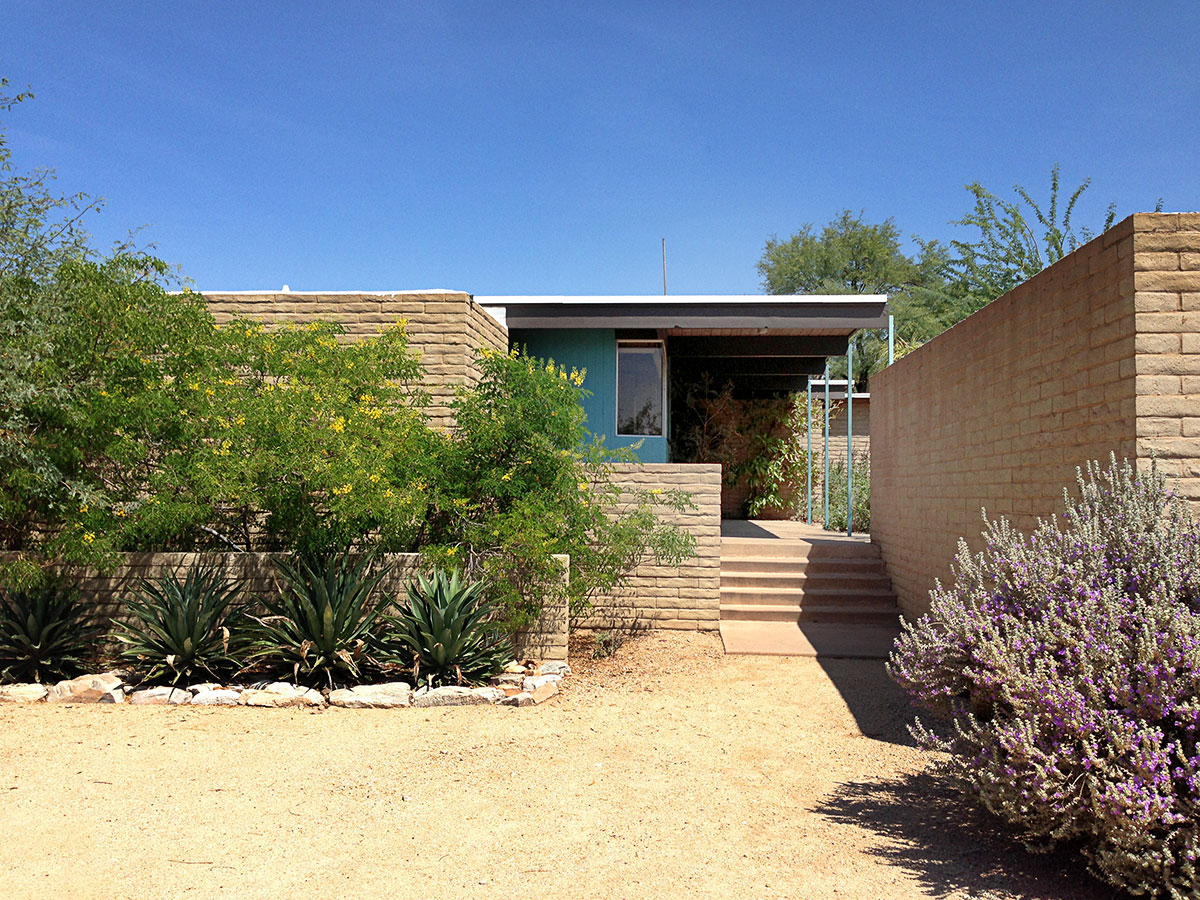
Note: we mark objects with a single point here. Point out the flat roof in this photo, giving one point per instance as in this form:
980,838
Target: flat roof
829,313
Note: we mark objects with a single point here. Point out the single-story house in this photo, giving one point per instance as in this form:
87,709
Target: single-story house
639,350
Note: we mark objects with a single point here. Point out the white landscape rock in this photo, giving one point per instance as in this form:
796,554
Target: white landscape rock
282,695
160,696
490,694
510,678
217,697
392,695
522,699
448,696
514,668
22,693
554,668
104,688
533,682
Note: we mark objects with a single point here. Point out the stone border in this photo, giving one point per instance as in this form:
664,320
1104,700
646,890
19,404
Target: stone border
518,685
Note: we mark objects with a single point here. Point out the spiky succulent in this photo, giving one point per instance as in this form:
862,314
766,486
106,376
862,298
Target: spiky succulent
182,628
321,627
46,632
445,627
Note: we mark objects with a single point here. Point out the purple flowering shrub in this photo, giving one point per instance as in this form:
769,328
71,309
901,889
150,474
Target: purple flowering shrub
1064,668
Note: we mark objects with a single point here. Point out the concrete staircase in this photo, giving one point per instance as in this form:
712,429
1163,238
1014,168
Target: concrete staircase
792,589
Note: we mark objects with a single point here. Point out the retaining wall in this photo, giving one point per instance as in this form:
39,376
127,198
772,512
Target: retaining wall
687,596
1099,353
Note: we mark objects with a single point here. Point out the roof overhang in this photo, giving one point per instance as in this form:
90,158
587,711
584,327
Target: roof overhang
826,314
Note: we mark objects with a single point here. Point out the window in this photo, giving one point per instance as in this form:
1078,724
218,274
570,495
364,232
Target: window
641,388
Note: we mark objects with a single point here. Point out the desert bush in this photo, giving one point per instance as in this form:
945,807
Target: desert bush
445,631
183,628
1065,670
47,631
322,627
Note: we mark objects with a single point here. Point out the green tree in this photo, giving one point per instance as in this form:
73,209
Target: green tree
39,229
1015,240
520,482
852,256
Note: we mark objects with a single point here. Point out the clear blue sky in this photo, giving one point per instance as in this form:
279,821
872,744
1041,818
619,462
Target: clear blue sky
546,147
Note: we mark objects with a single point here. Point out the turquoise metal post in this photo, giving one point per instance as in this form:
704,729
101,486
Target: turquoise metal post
808,403
891,339
850,440
825,520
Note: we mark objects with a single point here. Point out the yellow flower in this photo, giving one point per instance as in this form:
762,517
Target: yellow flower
507,476
209,392
388,492
120,513
375,479
338,425
88,537
343,490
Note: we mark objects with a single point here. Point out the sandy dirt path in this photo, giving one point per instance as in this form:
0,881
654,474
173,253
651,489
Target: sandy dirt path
666,771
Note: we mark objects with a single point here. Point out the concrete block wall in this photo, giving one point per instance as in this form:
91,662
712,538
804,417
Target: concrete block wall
687,596
445,327
999,411
1166,298
546,639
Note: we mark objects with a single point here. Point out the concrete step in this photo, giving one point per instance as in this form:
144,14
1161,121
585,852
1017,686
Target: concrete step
808,580
879,614
799,564
732,548
801,595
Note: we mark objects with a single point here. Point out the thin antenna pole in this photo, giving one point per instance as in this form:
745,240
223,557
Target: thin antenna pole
664,248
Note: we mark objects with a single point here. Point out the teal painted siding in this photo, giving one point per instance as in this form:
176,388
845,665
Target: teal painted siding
594,349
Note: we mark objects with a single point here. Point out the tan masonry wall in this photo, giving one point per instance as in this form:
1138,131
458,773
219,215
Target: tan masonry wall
671,597
445,327
998,411
545,640
1166,282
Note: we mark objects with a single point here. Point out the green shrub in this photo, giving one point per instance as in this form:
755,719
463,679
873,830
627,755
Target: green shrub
47,631
837,495
522,483
1065,667
446,628
322,626
183,628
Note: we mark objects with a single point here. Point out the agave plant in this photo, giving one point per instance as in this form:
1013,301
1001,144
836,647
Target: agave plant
322,624
182,628
445,626
46,631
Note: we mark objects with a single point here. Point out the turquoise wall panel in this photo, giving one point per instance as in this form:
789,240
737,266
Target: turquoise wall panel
594,349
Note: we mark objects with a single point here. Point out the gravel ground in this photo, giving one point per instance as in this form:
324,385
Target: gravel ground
668,770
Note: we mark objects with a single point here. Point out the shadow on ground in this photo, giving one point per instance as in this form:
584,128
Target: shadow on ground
880,708
953,847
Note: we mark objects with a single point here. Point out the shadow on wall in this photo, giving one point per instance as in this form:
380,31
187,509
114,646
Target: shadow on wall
944,839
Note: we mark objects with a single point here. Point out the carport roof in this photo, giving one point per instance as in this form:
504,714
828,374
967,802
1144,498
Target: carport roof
809,314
